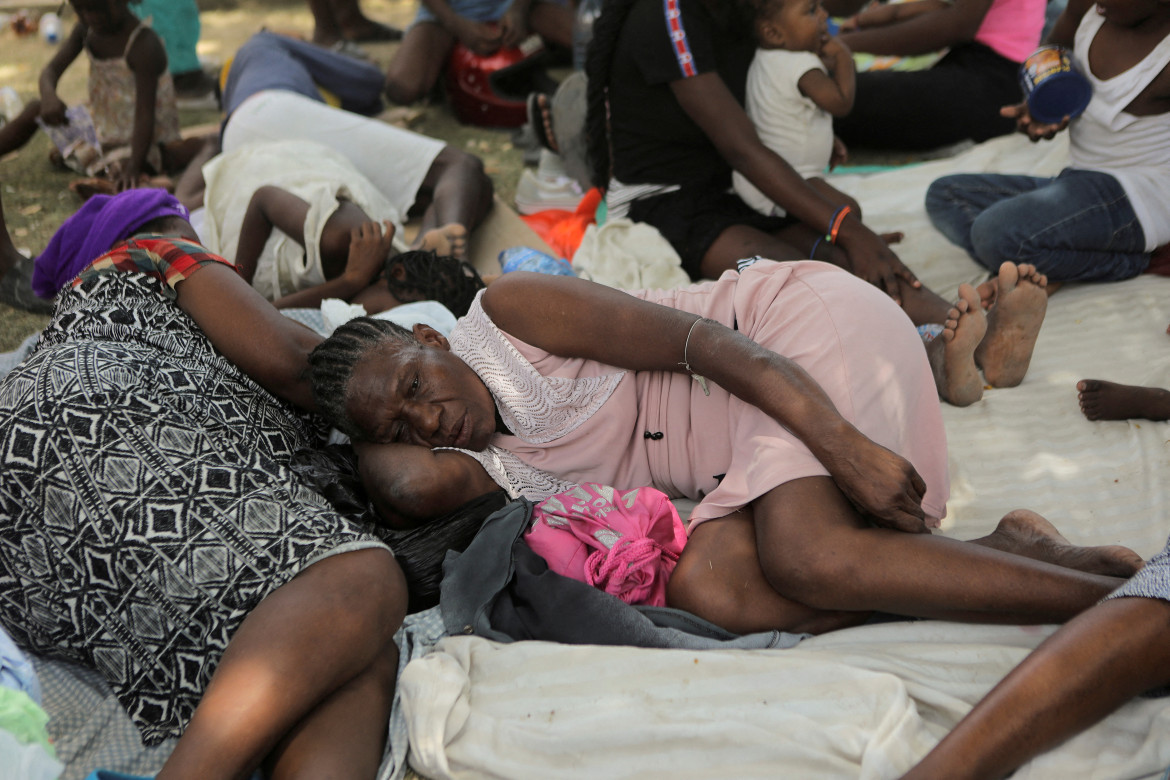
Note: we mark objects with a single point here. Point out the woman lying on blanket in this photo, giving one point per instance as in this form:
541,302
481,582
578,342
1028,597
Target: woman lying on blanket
151,528
792,400
666,95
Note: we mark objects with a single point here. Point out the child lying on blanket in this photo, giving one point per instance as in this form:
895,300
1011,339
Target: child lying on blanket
1100,218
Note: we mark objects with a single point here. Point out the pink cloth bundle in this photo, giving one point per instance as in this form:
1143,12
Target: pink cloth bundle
625,542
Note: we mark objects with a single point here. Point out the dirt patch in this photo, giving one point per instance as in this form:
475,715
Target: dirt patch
36,200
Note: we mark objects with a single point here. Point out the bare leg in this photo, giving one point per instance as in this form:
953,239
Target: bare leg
1080,674
306,681
552,22
719,578
1101,400
740,241
952,353
1013,324
455,190
337,20
190,186
838,563
416,66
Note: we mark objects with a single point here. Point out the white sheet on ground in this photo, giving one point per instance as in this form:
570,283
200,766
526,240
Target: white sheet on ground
865,702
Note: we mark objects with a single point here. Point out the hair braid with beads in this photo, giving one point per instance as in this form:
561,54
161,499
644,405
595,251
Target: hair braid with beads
331,365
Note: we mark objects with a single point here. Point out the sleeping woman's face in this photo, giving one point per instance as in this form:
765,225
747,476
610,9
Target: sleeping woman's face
420,394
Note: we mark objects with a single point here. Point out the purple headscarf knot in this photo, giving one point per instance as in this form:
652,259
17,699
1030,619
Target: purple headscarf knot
98,225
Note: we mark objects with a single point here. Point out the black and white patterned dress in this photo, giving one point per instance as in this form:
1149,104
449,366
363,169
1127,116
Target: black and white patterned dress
146,504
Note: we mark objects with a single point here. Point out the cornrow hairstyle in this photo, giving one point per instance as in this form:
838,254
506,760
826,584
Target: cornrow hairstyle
599,56
331,365
431,277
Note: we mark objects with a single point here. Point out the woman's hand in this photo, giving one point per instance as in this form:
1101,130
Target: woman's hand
369,246
880,483
871,259
1030,127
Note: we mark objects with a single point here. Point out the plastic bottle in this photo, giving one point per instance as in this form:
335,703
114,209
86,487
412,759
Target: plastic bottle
523,258
587,12
50,27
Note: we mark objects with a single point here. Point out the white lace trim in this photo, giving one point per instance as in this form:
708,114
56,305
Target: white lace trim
536,408
517,477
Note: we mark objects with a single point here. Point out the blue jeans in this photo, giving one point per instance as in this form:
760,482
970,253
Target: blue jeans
271,61
1077,227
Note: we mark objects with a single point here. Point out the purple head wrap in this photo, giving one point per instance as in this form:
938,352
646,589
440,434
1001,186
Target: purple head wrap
99,224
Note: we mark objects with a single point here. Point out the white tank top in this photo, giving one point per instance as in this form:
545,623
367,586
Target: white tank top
1134,149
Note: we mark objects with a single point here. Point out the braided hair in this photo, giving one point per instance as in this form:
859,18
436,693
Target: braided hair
331,365
427,276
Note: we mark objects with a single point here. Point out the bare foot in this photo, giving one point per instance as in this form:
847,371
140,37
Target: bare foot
1013,323
450,239
952,354
1101,400
1026,533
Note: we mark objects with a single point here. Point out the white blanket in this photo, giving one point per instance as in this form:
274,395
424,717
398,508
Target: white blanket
865,702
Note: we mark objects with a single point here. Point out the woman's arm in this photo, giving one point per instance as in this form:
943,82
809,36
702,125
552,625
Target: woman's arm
708,101
147,59
409,485
52,107
881,14
267,346
924,33
574,318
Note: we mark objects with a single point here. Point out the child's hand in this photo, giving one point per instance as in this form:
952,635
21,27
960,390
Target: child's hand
514,25
480,37
839,155
369,246
53,110
1029,126
836,55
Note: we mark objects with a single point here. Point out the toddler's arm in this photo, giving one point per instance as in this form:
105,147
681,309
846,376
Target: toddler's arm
147,59
52,107
832,91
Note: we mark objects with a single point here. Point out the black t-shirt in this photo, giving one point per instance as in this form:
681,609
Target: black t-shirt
654,141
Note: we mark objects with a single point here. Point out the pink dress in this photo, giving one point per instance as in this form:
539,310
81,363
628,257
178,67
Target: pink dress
583,421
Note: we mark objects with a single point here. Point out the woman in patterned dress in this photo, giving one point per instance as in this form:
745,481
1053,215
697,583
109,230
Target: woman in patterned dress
150,526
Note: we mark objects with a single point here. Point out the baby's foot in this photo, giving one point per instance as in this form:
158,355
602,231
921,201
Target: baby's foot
1101,400
952,354
1013,323
450,239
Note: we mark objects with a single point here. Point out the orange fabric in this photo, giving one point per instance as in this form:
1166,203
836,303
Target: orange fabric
563,230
